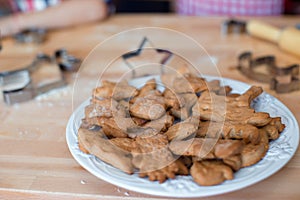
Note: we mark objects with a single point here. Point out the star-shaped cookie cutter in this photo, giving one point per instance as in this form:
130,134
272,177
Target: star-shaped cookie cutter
167,56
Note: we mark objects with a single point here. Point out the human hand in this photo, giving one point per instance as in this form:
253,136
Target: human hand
9,25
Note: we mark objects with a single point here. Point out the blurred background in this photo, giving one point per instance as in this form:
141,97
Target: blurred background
291,7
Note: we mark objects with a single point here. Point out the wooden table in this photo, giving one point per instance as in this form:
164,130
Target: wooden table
35,161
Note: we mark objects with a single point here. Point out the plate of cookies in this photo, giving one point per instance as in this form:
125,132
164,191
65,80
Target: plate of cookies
182,135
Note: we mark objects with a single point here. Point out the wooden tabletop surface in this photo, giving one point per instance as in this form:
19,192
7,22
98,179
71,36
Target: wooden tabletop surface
35,162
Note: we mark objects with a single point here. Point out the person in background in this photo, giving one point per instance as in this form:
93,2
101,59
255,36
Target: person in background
17,15
230,7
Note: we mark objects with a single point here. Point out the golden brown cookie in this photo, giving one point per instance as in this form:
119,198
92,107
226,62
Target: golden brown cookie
94,143
150,107
252,153
207,148
210,172
169,171
183,129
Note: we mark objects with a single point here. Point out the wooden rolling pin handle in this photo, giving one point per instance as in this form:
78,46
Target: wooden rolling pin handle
263,31
287,39
290,41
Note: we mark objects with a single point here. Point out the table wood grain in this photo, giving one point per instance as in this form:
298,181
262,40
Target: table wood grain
35,162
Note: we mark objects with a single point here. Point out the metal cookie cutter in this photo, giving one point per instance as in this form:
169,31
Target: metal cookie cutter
21,85
248,66
233,26
18,86
31,35
167,55
65,61
238,26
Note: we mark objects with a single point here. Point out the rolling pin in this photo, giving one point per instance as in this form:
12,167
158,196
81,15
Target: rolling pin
288,39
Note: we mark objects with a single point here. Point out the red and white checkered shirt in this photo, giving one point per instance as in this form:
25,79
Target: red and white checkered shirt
35,5
13,6
230,7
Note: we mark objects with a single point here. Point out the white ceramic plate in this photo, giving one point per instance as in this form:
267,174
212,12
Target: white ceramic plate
280,152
